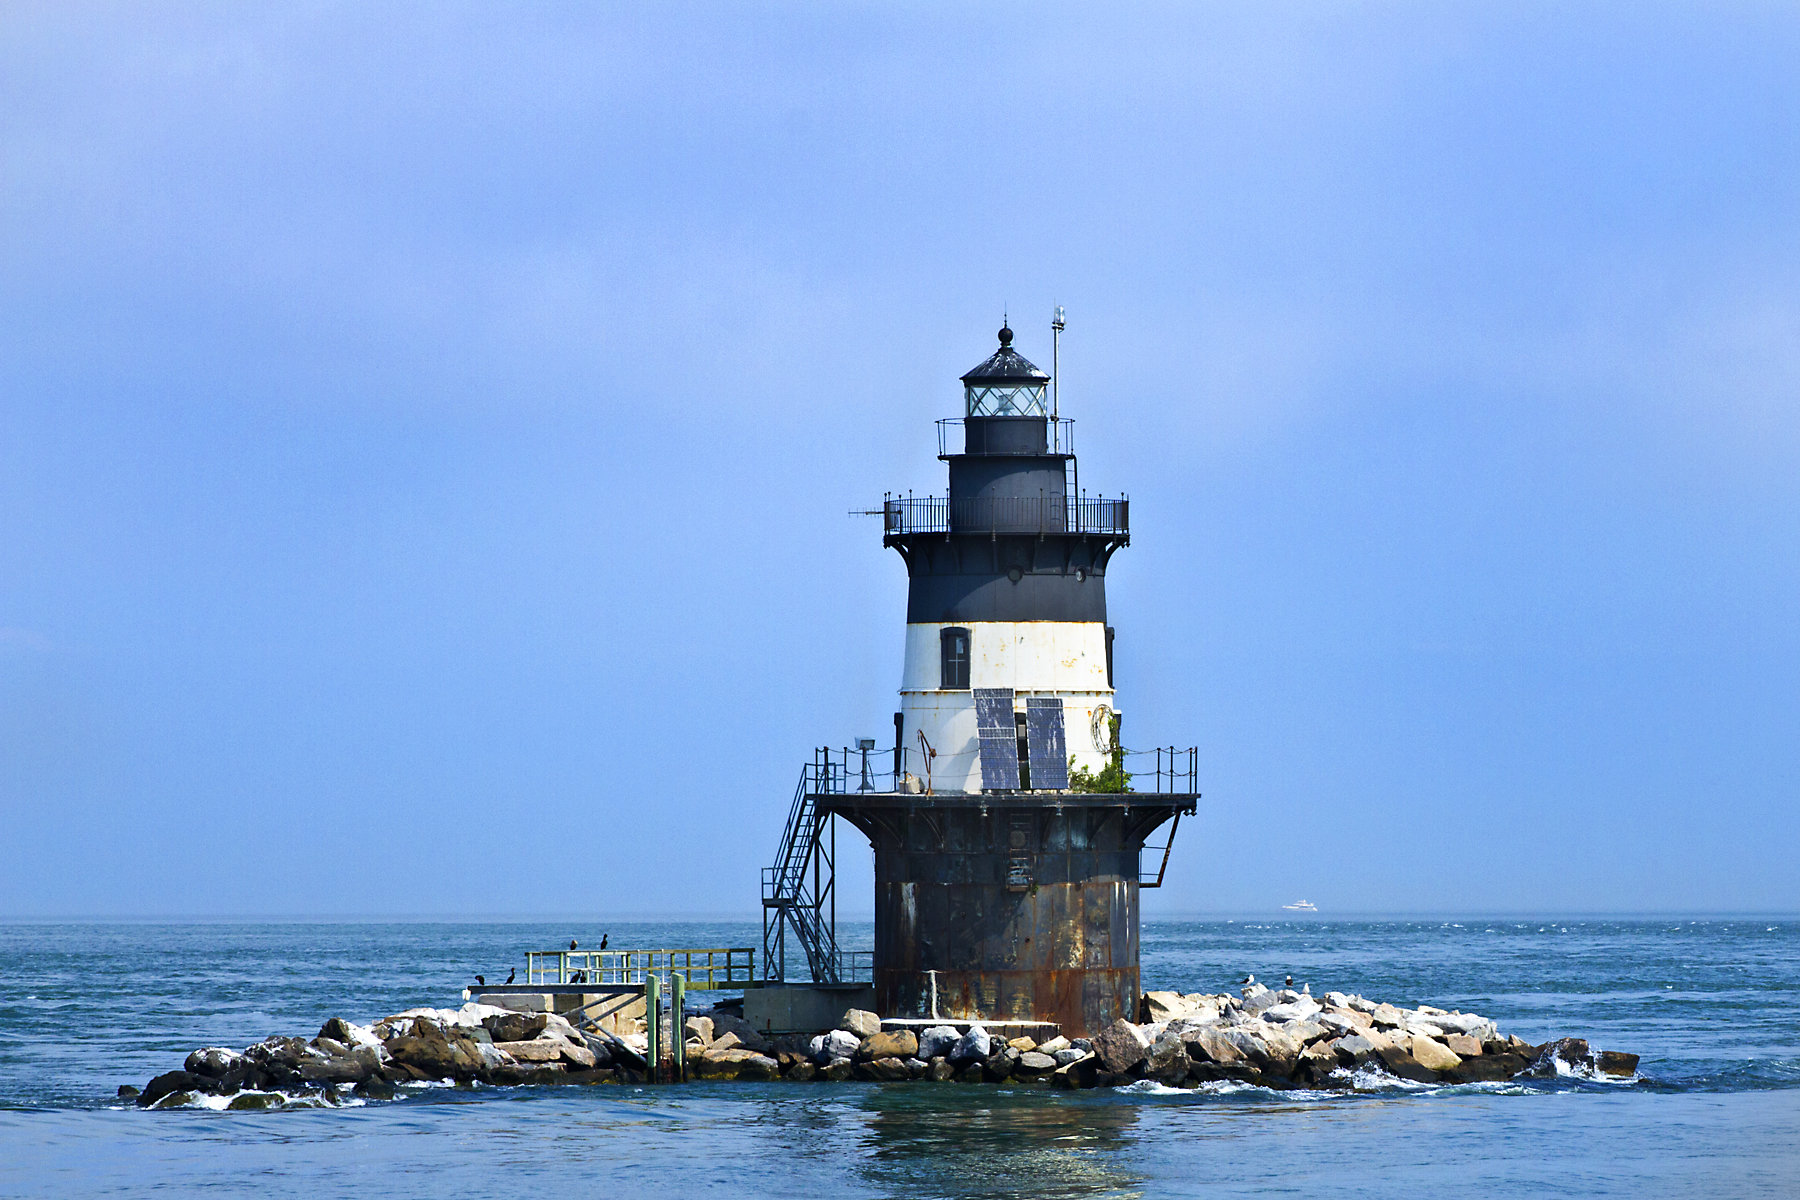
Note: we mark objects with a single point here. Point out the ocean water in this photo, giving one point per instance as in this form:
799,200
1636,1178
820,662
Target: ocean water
1713,1006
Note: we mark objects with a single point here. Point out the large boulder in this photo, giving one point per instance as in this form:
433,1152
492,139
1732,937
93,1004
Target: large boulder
1569,1052
1167,1059
1304,1032
516,1027
974,1046
839,1043
1434,1055
735,1063
212,1061
1316,1063
338,1030
1168,1006
838,1070
1034,1064
882,1070
1462,1045
938,1042
902,1044
1487,1068
1122,1046
759,1066
171,1083
334,1070
1281,1052
1263,1046
700,1029
1342,1021
1080,1073
1396,1060
541,1050
1356,1049
429,1051
1471,1024
1616,1062
1260,1002
1211,1045
861,1022
748,1036
1386,1016
1295,1010
282,1051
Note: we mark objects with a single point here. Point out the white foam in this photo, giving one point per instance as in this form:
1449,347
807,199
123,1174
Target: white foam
1148,1087
277,1100
1371,1078
1588,1073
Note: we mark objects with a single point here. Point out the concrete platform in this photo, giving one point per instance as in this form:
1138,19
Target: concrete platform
804,1008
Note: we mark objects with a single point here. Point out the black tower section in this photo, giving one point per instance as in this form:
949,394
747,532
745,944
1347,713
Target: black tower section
1013,540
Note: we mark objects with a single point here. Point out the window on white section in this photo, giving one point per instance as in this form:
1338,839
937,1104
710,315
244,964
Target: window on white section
954,657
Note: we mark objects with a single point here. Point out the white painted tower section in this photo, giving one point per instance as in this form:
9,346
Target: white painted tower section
1065,659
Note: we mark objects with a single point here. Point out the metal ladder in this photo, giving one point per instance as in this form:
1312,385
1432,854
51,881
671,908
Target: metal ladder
799,886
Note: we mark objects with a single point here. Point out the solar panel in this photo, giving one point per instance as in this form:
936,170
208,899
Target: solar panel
1049,756
999,739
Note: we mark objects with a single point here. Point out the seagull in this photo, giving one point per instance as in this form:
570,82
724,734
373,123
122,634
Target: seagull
1248,980
571,943
480,982
510,974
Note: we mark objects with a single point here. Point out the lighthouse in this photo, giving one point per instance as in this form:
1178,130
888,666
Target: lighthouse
1008,860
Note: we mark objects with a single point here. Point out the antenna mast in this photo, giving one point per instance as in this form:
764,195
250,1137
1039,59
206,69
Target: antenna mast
1056,328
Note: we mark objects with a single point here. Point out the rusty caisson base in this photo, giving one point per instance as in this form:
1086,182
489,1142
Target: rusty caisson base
1020,906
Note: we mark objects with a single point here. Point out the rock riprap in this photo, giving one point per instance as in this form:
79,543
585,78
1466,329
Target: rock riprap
474,1043
1272,1038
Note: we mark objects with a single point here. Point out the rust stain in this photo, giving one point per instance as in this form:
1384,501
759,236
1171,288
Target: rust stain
1025,906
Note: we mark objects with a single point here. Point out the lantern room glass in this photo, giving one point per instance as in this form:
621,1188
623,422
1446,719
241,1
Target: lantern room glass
1015,400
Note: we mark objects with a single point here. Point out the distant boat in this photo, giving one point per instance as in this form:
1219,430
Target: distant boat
1302,906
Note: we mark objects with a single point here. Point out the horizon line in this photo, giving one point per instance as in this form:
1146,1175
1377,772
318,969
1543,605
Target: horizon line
752,916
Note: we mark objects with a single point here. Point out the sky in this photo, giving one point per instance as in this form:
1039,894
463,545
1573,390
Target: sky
428,436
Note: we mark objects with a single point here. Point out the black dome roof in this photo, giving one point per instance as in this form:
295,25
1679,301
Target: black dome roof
1006,366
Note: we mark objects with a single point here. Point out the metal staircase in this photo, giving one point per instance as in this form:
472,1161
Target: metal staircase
798,892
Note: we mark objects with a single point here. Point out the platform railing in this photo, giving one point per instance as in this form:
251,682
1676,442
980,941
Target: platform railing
706,968
1109,517
1177,768
1059,436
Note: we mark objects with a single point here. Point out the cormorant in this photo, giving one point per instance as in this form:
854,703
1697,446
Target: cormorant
480,982
510,974
603,938
1290,981
571,943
